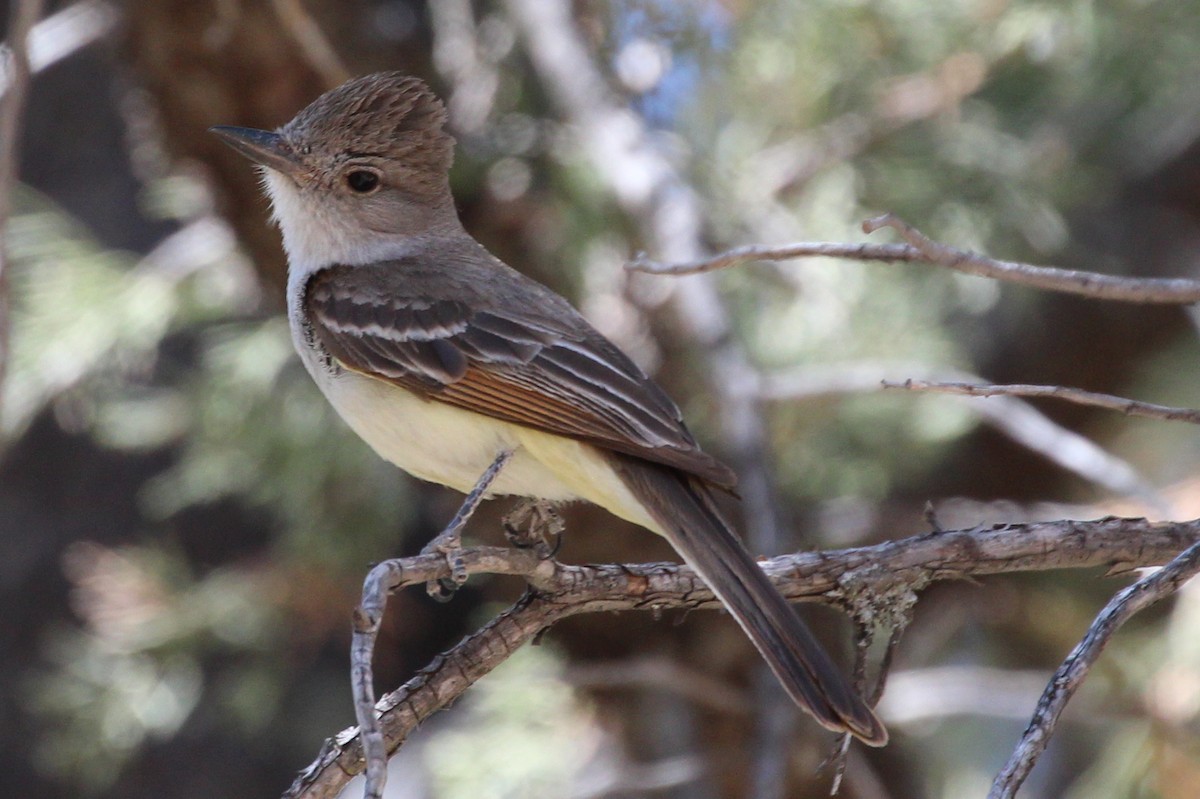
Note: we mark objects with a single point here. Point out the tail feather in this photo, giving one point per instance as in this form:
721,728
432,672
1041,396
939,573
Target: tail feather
687,515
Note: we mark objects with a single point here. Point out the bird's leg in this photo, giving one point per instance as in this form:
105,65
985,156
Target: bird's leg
449,541
532,524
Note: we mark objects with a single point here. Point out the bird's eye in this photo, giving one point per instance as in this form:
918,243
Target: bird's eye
362,181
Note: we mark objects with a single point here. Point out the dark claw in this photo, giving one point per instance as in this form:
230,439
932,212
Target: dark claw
442,590
458,569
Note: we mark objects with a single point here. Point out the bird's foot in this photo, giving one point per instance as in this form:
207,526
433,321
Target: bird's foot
449,541
448,544
534,524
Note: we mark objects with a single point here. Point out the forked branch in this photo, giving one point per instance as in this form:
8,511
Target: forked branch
841,578
1070,675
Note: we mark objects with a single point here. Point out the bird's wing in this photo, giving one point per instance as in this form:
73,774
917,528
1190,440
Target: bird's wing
508,361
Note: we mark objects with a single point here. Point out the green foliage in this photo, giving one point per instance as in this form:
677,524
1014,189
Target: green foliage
521,733
144,357
77,312
137,671
245,419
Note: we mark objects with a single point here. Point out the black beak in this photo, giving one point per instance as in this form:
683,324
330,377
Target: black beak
260,146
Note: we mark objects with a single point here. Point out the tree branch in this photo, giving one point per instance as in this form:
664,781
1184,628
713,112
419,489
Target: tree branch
1129,407
922,249
1016,419
316,48
1071,674
851,577
888,253
62,34
1172,291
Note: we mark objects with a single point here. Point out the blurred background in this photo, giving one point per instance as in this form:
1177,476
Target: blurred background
184,524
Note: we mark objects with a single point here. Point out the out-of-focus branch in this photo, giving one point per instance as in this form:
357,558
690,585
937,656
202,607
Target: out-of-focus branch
473,79
1071,674
62,33
307,35
1129,407
662,674
1016,419
839,578
666,209
22,17
669,217
888,253
249,64
922,249
919,695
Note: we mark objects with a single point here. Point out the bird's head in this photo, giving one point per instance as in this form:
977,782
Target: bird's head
358,173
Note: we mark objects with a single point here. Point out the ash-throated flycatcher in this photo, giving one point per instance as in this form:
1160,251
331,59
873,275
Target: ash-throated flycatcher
441,357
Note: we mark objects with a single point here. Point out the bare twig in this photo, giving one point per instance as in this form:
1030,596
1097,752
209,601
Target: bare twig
922,249
1171,291
380,582
1074,669
311,40
874,605
839,757
561,590
888,253
23,15
1147,410
1012,416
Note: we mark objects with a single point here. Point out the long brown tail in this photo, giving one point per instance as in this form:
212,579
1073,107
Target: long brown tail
685,510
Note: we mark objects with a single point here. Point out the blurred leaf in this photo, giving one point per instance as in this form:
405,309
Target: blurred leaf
521,733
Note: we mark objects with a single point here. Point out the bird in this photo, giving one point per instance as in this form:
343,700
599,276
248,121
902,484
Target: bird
443,358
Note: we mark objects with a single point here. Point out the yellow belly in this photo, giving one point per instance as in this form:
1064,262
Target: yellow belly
453,447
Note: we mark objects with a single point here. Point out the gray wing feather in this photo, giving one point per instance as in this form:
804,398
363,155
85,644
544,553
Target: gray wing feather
506,361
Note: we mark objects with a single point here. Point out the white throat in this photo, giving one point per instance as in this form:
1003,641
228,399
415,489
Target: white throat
315,236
